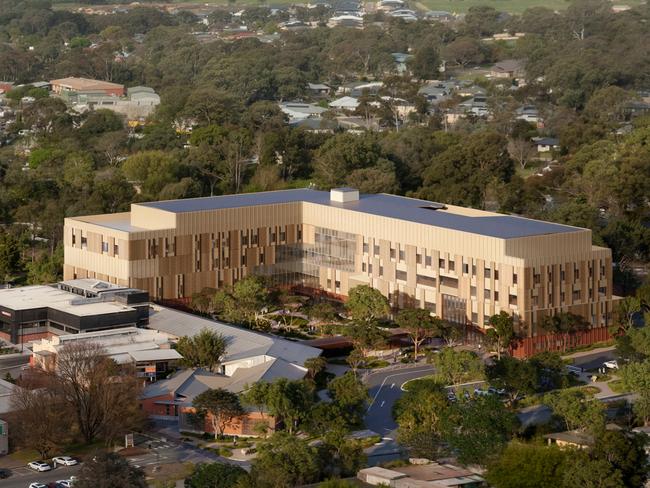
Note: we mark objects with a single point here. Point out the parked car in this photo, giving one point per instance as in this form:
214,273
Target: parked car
496,391
37,485
574,370
451,396
65,460
39,466
479,392
4,473
613,364
65,483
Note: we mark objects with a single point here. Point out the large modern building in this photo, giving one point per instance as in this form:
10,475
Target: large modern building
462,264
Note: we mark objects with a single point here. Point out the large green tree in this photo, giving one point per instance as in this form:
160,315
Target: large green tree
220,407
419,324
203,350
216,475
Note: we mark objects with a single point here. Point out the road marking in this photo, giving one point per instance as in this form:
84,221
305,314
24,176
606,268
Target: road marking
413,370
382,403
392,385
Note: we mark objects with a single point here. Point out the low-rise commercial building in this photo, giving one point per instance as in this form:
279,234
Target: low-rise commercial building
34,312
462,264
149,351
84,85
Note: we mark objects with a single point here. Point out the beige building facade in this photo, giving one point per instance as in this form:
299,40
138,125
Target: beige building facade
462,264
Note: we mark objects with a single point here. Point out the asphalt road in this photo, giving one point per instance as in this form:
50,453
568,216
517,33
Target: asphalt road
22,477
384,388
595,360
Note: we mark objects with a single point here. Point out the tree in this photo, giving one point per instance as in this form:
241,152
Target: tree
216,475
251,295
625,452
9,256
365,337
588,472
464,51
351,394
419,325
521,151
453,367
502,332
109,470
290,401
257,395
636,378
627,308
528,466
102,395
315,366
41,419
516,376
152,171
220,406
366,304
420,413
284,461
425,61
203,350
479,428
577,411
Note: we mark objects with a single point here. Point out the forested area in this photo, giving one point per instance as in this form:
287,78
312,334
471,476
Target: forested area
582,66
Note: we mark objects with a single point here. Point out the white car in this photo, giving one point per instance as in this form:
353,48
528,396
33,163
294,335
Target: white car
613,364
37,485
65,461
39,466
479,392
65,483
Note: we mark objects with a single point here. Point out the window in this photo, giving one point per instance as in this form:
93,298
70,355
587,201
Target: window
472,291
243,259
487,273
576,274
496,274
441,263
74,238
576,295
104,246
337,284
465,268
562,297
283,236
363,267
425,281
329,284
496,296
602,291
369,268
473,270
254,239
430,306
273,237
514,278
299,236
116,249
365,248
244,240
392,253
427,260
261,258
400,275
512,299
418,258
562,275
451,282
84,242
402,255
381,270
486,294
475,318
375,250
452,265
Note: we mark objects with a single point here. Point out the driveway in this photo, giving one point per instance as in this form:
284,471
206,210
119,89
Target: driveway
23,476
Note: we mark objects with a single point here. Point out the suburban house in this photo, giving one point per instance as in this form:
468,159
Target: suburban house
434,92
138,103
300,110
401,60
388,5
346,20
462,264
509,68
439,16
546,144
345,103
528,113
358,88
250,357
318,89
85,85
425,475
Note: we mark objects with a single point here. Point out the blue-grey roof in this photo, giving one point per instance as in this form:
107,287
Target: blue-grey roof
391,206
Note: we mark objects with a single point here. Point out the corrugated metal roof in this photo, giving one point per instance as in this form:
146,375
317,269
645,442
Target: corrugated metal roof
391,206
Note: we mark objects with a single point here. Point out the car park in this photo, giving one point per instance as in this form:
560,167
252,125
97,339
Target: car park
39,466
65,461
